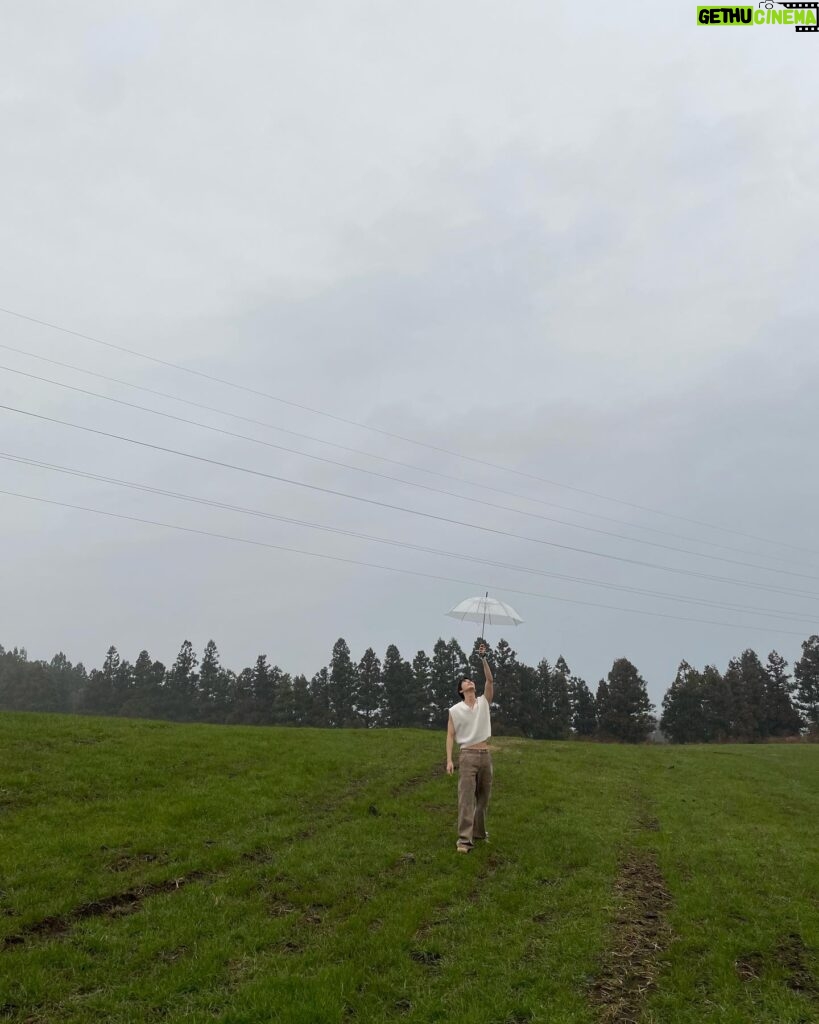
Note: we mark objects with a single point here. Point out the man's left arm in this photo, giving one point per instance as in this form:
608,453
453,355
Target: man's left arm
489,687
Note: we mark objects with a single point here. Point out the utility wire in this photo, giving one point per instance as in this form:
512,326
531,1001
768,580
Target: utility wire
405,545
400,480
401,508
387,568
381,458
385,433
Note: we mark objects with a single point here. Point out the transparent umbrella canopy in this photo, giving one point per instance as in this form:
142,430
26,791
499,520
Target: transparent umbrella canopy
485,609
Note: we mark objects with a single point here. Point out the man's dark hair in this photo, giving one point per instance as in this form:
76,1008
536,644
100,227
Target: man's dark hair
461,682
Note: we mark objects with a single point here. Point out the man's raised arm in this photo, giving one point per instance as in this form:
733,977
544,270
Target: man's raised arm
489,687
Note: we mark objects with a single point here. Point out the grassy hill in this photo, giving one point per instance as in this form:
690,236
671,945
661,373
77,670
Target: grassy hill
156,872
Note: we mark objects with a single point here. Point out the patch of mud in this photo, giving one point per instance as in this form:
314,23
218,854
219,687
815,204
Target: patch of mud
791,955
750,966
418,780
404,861
427,957
488,870
640,934
122,903
125,861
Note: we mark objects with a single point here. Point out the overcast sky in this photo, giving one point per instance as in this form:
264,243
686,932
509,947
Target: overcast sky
574,241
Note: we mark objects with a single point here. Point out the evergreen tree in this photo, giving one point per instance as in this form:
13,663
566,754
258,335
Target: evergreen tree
180,692
284,701
302,701
320,710
806,673
242,699
28,685
265,681
422,676
343,687
717,705
145,698
211,679
512,717
101,696
684,715
783,718
559,708
448,664
625,712
369,688
66,683
748,681
215,686
583,711
601,704
400,707
540,719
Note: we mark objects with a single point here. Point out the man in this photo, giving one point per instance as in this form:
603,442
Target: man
469,726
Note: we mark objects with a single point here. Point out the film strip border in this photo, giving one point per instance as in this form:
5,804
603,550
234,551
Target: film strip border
801,7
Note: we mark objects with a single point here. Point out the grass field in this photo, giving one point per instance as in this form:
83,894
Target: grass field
156,872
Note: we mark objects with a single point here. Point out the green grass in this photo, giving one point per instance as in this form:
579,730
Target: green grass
310,876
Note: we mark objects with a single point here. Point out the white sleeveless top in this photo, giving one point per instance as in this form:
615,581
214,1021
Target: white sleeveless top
472,725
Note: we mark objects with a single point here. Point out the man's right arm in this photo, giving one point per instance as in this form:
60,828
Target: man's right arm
450,739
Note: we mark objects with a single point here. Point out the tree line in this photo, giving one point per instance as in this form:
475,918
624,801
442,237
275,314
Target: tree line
750,701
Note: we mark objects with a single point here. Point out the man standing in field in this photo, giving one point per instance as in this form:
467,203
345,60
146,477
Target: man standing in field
470,727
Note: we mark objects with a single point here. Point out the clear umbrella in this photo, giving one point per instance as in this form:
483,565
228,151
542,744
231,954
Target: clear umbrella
485,609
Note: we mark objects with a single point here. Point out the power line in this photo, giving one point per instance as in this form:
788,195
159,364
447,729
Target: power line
387,568
401,508
405,545
385,433
372,455
399,480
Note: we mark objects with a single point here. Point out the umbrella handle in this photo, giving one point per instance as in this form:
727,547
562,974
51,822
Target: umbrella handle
483,624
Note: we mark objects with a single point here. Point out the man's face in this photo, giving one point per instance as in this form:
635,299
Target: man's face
467,688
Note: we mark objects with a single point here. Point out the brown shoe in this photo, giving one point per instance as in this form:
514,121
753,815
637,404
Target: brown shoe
462,848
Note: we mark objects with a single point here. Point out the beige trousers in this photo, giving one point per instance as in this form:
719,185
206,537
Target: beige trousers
474,788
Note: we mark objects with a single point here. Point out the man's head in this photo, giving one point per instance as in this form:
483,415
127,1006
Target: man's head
465,687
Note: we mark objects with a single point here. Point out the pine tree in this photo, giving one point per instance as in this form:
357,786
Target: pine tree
748,681
343,687
717,704
180,692
559,711
65,683
448,664
584,713
625,714
684,716
783,718
100,696
541,718
601,705
242,699
145,700
422,675
209,673
806,674
511,717
400,706
320,710
284,699
302,701
264,692
369,689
